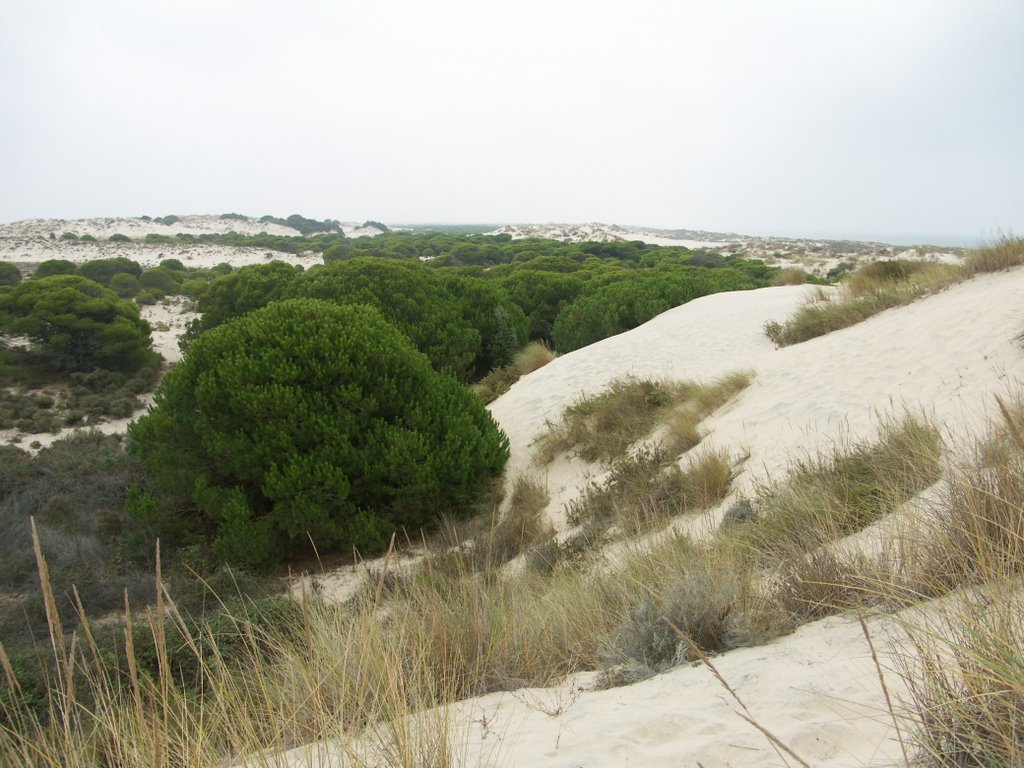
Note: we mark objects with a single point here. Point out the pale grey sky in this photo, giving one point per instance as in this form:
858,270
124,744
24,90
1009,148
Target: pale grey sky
865,118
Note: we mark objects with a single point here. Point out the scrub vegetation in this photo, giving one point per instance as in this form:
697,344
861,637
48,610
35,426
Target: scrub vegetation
324,411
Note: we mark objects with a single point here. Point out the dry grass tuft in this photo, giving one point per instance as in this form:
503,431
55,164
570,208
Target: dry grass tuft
963,660
697,607
871,289
647,489
603,426
790,276
533,356
965,675
530,358
1007,252
825,499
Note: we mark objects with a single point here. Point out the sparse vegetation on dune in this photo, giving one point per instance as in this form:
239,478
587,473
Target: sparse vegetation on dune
864,293
1005,253
881,285
456,627
601,427
644,490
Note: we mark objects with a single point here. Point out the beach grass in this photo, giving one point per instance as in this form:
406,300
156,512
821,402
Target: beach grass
871,289
601,427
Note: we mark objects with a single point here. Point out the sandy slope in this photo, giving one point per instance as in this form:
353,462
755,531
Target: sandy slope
816,689
947,354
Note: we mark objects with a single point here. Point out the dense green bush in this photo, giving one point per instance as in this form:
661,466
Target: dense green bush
117,237
173,264
236,293
9,274
304,225
124,285
75,324
487,307
309,420
160,280
542,295
628,303
55,267
102,270
412,297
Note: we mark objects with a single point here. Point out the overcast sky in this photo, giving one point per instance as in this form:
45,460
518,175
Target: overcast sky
860,118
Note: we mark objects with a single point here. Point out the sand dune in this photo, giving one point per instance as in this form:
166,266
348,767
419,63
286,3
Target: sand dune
817,689
947,355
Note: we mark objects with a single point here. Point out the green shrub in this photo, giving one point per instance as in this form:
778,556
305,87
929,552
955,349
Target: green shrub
233,294
103,270
117,237
55,267
542,296
124,285
628,303
160,280
311,420
413,297
9,274
75,324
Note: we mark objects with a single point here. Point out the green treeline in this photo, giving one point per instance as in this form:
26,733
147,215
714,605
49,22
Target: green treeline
466,300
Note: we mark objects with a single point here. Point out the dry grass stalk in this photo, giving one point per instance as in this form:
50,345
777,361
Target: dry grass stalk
1005,253
780,747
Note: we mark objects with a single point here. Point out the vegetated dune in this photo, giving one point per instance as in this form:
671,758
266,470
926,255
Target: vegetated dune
29,242
816,690
946,356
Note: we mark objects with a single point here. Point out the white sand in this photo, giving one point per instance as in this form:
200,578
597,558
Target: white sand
947,355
